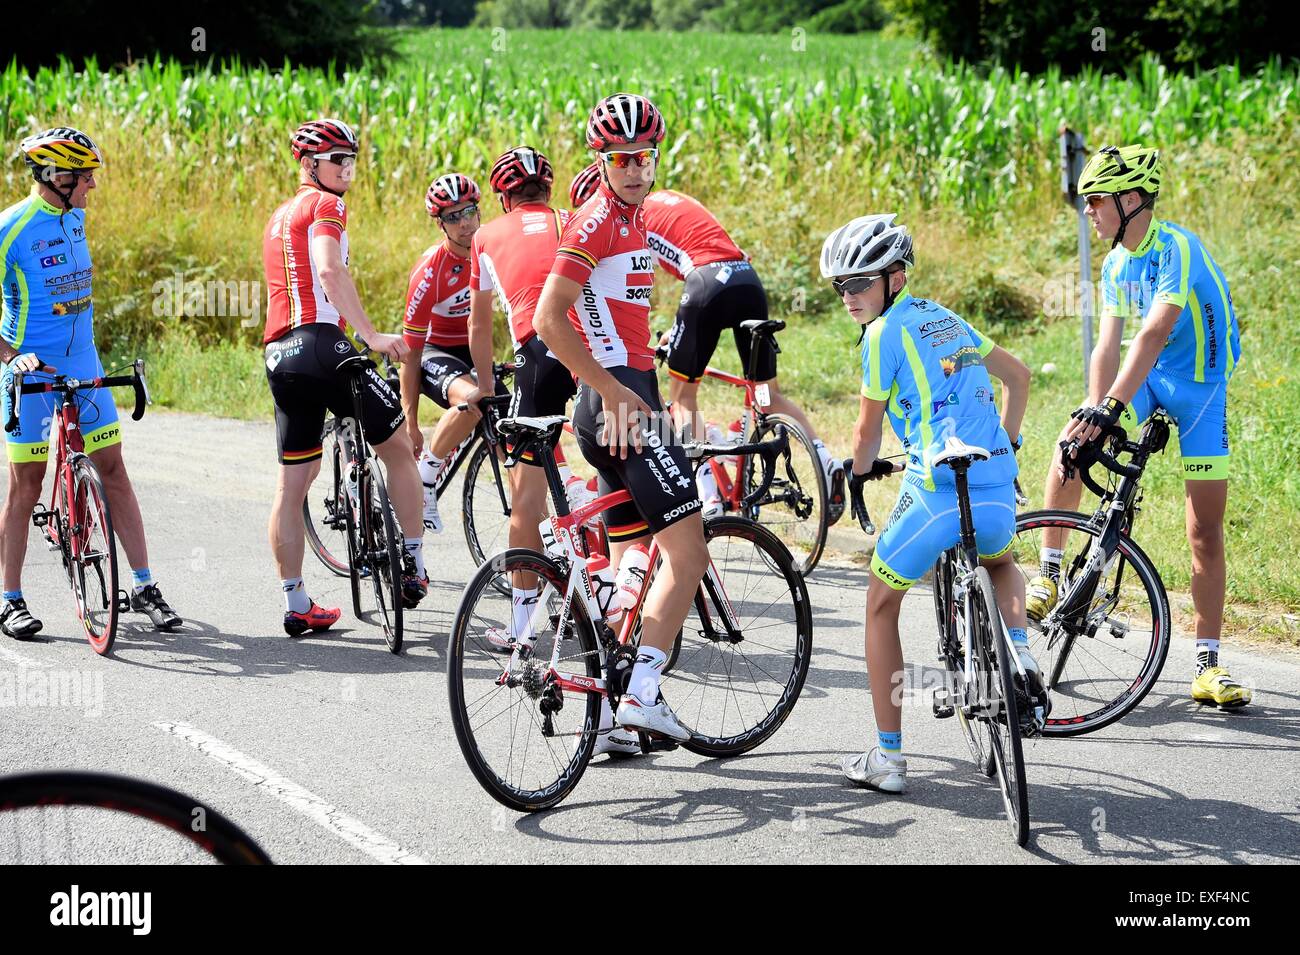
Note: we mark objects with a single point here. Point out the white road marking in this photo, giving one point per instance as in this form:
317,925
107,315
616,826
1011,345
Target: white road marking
17,659
308,803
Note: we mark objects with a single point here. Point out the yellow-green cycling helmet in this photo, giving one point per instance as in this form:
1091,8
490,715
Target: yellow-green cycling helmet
1121,168
1116,169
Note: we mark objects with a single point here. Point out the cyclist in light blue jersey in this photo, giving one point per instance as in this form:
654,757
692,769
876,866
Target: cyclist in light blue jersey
1186,348
48,323
929,372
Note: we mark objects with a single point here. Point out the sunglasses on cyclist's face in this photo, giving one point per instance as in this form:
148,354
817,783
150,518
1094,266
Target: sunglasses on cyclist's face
451,218
1095,200
621,160
342,160
855,285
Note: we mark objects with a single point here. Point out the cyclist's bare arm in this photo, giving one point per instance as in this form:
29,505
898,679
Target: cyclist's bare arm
327,256
1142,354
1105,358
480,339
1014,375
867,434
410,380
552,323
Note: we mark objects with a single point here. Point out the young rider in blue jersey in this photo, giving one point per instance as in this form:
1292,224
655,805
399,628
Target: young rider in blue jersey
1186,348
48,323
929,372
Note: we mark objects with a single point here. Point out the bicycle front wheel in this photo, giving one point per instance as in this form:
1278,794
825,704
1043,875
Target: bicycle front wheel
746,643
1107,653
527,739
794,507
486,503
92,555
383,545
324,510
1003,712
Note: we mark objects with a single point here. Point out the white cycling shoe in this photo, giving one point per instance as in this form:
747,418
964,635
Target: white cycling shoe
888,774
1037,686
653,718
498,639
614,739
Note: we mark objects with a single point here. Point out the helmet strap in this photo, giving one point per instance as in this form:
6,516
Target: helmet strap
1124,220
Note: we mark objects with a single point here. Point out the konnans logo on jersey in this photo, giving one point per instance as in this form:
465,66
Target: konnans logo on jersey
594,221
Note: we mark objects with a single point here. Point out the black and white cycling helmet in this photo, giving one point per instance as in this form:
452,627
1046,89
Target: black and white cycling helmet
867,244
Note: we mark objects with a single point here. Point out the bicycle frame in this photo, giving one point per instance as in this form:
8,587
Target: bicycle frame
565,528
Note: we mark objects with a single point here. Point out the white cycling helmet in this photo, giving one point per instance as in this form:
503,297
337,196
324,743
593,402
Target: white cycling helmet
867,244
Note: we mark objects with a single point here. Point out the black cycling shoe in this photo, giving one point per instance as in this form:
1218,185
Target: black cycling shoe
835,498
150,601
16,620
414,590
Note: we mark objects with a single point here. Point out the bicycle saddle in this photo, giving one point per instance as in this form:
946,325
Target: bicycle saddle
538,427
355,364
953,449
762,325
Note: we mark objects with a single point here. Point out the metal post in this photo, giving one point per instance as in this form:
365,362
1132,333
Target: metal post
1073,155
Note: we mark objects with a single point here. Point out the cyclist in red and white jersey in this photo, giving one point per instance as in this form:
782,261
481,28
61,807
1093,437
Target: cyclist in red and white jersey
722,290
311,299
435,328
594,315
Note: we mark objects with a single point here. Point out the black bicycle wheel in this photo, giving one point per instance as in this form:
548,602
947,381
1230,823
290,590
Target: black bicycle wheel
794,508
733,688
487,522
324,510
384,549
92,555
1004,710
951,628
1106,656
80,818
526,739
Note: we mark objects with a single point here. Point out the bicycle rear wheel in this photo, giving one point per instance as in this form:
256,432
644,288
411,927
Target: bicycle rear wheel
526,739
80,818
734,689
324,510
975,732
1104,658
794,508
92,556
1004,708
384,549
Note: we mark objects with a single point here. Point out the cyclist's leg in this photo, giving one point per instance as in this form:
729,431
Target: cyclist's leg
691,344
445,377
28,450
993,511
300,406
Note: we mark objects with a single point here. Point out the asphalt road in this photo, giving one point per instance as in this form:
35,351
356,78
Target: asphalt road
330,749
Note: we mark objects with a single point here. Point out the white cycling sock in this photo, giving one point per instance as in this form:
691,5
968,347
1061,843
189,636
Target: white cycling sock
295,595
645,675
1050,562
524,602
429,467
415,547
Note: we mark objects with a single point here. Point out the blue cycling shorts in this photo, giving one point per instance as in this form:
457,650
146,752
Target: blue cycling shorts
924,524
1200,411
30,440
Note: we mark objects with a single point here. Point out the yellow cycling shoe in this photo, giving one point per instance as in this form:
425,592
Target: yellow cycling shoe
1216,686
1040,598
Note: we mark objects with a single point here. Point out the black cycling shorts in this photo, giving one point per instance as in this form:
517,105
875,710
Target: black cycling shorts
658,477
543,386
717,296
301,368
440,365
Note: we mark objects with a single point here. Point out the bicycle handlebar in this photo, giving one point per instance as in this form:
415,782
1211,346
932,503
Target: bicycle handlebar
17,387
1081,458
880,468
767,450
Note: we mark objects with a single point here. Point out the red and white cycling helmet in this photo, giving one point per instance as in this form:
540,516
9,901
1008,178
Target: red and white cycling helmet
517,167
622,119
323,136
449,190
584,185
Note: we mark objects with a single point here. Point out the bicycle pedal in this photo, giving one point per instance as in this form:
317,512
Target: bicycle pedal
123,602
643,738
941,705
41,517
